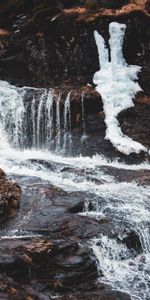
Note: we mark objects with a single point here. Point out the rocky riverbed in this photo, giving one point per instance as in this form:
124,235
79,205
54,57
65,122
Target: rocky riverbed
45,249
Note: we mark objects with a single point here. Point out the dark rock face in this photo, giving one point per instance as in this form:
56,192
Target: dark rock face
9,197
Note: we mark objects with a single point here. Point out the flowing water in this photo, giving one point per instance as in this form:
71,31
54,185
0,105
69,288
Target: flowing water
126,204
35,128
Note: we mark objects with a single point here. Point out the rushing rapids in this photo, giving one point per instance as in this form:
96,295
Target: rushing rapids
126,204
31,126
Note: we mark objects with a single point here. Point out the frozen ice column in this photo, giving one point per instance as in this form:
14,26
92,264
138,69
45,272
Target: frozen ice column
117,84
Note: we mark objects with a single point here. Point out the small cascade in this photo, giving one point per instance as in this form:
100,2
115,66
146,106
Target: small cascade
49,112
31,118
58,125
67,143
120,267
12,112
40,122
3,142
34,118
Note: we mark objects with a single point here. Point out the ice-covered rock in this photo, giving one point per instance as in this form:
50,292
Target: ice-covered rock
116,82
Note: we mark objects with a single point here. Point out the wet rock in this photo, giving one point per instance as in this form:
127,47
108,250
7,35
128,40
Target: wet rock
77,208
59,260
60,268
135,121
132,241
9,197
49,209
142,177
17,266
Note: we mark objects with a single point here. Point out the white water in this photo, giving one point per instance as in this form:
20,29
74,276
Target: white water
117,83
84,136
125,271
67,126
126,204
30,119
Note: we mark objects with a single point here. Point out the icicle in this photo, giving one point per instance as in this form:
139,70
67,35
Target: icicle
117,84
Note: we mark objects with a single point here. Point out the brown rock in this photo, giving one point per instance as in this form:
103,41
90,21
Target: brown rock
9,197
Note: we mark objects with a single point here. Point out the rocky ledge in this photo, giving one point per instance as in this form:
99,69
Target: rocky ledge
49,255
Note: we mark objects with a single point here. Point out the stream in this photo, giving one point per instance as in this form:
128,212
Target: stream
126,204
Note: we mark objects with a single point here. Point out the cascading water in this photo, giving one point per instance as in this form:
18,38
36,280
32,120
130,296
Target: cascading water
31,118
83,118
12,113
30,123
67,126
49,112
58,125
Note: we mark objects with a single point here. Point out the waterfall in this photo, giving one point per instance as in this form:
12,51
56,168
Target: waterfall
58,125
50,118
12,112
67,144
83,137
40,120
117,83
31,118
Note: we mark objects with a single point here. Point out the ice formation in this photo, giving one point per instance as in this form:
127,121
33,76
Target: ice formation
116,82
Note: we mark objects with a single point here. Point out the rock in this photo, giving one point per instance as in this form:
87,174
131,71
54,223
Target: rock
132,241
54,267
142,177
9,197
2,174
